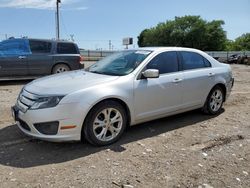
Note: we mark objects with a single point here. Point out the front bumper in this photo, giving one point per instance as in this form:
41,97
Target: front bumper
64,114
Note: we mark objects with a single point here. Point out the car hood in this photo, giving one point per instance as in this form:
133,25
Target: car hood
68,82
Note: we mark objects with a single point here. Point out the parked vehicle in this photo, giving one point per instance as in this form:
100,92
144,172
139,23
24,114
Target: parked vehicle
126,88
34,57
235,58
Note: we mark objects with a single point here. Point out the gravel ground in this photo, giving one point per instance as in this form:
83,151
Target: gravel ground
187,150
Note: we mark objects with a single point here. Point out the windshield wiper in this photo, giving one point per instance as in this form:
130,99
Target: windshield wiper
106,73
112,74
97,72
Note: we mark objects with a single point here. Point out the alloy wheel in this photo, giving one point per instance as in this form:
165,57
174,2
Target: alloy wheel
107,124
216,100
61,69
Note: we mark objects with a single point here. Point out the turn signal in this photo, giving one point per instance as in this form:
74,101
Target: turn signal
68,127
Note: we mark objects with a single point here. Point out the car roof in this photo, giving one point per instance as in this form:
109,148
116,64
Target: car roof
158,49
36,39
162,49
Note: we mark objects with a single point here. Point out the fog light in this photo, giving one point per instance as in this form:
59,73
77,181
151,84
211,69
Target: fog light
48,128
24,125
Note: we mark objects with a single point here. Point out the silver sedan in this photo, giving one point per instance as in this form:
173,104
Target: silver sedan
124,89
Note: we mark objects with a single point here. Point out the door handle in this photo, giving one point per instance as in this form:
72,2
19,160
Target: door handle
211,74
22,57
177,80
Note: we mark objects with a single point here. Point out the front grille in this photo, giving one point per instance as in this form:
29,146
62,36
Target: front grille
24,125
26,100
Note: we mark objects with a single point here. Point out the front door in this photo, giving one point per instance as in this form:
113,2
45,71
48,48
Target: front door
156,97
13,58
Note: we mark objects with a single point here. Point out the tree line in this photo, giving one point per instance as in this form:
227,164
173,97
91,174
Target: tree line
193,32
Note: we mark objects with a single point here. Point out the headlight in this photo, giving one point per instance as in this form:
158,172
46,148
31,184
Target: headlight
46,102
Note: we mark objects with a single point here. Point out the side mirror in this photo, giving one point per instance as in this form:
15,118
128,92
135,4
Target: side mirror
151,73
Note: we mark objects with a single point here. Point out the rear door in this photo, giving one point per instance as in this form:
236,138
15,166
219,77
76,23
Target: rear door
40,62
13,58
198,78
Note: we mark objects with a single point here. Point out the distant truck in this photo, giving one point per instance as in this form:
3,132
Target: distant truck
24,57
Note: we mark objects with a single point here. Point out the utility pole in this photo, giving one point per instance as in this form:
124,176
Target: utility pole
72,37
110,44
57,20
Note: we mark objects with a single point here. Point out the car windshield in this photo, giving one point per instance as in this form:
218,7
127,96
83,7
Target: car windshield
119,63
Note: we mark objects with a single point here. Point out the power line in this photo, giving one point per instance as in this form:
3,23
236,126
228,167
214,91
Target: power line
63,23
101,40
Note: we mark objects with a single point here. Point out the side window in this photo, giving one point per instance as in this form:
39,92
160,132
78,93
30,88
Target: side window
192,60
165,62
66,48
206,62
14,47
40,46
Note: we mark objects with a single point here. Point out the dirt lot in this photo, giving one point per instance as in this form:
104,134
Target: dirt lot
187,150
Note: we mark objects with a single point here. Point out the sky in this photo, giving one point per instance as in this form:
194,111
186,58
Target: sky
93,23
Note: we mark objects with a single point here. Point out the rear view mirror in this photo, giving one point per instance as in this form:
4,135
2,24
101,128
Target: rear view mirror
151,73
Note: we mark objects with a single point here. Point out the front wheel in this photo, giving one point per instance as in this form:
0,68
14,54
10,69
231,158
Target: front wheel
105,123
214,101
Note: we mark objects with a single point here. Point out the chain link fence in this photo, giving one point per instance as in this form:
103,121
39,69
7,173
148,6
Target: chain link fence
231,56
222,56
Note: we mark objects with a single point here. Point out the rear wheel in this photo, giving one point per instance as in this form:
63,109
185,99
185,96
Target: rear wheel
105,123
60,68
214,101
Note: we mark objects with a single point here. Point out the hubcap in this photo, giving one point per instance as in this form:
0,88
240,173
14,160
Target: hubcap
107,124
61,69
216,100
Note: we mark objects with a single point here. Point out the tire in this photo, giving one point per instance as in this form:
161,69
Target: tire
214,101
98,128
59,68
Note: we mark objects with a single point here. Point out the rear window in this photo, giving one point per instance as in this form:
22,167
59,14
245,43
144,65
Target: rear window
40,46
191,60
207,63
66,48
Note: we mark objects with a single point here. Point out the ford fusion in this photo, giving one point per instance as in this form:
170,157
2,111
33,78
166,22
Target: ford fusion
124,89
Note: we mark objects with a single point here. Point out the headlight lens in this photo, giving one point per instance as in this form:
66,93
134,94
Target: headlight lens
46,102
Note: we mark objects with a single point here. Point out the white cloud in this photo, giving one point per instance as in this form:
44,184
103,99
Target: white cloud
37,4
74,8
81,8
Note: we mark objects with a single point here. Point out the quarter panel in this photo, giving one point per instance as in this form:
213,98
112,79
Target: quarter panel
73,61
